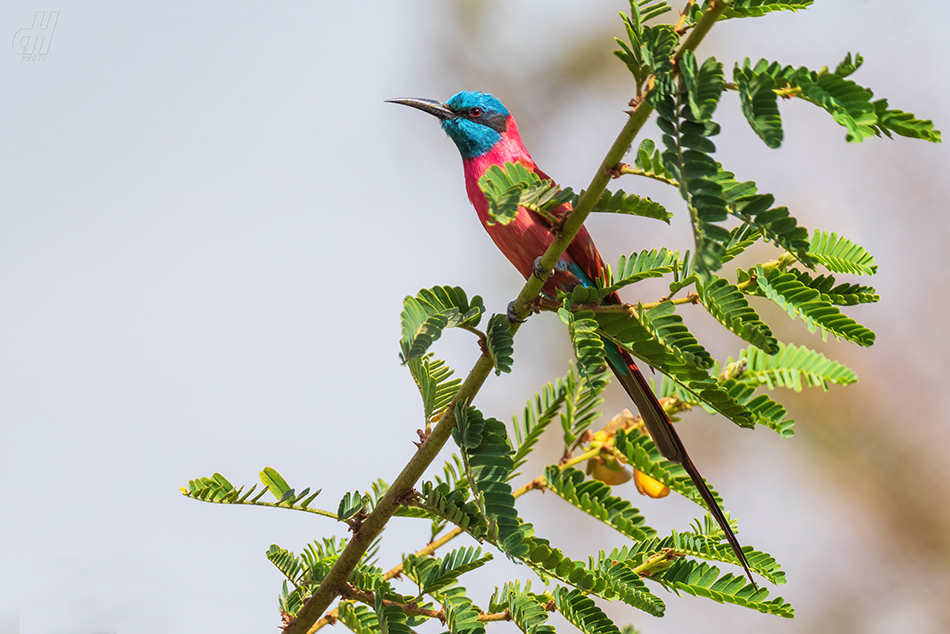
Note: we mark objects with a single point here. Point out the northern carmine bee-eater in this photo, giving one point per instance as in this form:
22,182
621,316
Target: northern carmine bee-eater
486,135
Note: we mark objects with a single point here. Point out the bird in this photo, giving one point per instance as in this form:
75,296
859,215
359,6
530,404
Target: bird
486,135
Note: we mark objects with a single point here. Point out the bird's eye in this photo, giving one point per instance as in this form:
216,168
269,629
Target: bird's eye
475,112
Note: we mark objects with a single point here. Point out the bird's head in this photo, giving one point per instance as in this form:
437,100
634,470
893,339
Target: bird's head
476,121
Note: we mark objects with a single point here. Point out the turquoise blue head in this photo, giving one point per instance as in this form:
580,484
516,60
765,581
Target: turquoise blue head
476,121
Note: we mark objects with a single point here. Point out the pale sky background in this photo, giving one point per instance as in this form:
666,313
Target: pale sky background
210,218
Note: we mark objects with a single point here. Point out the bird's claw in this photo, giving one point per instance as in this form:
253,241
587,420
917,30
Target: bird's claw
539,272
513,314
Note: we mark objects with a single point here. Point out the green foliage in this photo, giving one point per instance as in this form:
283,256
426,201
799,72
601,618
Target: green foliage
593,497
582,612
688,145
491,463
704,85
358,618
426,315
513,186
792,367
275,483
848,103
840,255
526,610
538,414
501,345
760,104
219,490
903,123
640,55
391,618
436,385
640,266
649,162
848,65
588,346
725,302
461,615
351,504
702,580
799,300
473,492
433,575
774,223
468,428
581,402
620,202
843,294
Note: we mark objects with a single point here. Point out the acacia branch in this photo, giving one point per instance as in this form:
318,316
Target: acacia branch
333,584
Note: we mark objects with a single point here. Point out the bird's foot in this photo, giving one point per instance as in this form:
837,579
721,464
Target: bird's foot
513,314
538,271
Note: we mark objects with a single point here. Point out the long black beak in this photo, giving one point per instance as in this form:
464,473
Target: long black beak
435,108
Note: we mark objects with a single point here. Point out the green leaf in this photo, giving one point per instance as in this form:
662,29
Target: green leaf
436,385
434,575
620,202
848,103
786,290
491,463
848,65
640,266
668,328
840,255
468,429
357,617
704,85
842,294
527,612
904,123
454,505
275,483
754,209
351,504
758,8
588,346
513,186
726,303
501,344
582,612
627,585
582,403
760,104
426,315
461,616
650,163
793,367
686,159
740,239
702,580
593,497
538,414
391,618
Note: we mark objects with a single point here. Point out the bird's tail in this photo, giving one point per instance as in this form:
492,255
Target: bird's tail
666,439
